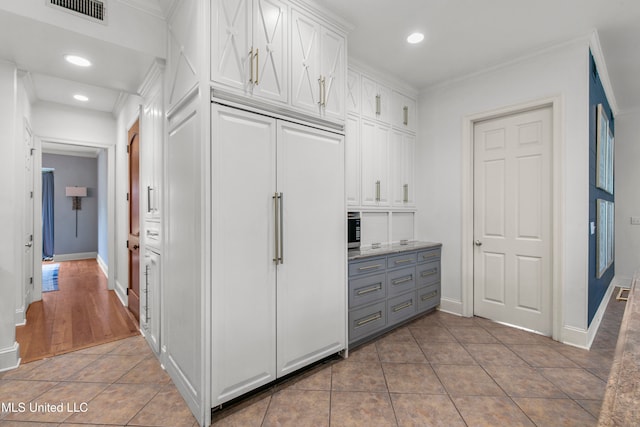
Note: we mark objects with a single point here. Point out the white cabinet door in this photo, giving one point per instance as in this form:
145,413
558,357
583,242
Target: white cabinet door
231,35
151,141
150,310
332,73
305,62
402,169
403,112
270,79
353,92
374,146
352,160
244,298
376,100
311,279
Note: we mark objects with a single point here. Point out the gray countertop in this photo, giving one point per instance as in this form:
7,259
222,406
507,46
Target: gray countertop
391,249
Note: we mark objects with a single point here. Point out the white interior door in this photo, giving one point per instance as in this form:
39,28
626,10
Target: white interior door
311,279
512,219
244,272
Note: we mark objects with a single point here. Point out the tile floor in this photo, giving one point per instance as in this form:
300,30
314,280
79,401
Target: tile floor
438,370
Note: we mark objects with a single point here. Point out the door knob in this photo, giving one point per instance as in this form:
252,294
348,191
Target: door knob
28,245
135,247
478,243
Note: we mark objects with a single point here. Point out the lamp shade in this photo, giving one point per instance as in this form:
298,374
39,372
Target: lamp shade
76,191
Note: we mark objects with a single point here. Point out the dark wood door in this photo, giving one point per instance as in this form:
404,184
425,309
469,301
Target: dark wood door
134,220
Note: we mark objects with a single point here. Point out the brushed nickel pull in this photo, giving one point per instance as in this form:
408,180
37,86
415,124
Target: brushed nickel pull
276,235
378,103
373,288
399,307
148,198
405,115
405,189
152,233
429,296
251,56
146,287
257,66
377,190
320,91
403,280
370,267
430,272
281,197
429,255
324,92
369,319
403,261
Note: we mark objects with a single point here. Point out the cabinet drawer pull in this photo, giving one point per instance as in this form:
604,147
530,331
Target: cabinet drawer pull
369,319
403,280
378,191
402,306
403,261
370,267
429,256
151,233
430,272
405,195
429,296
373,288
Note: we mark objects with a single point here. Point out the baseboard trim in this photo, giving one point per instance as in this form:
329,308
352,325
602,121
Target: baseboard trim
10,357
76,256
121,292
622,281
583,338
451,306
103,266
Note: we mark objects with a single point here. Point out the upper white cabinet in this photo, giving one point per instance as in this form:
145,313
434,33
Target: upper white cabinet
352,160
353,92
318,66
374,146
376,100
402,146
249,47
151,141
403,112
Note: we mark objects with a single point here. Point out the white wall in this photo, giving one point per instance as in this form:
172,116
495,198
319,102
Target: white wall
562,71
61,123
627,177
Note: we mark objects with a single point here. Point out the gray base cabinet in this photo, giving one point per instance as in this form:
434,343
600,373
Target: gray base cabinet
387,290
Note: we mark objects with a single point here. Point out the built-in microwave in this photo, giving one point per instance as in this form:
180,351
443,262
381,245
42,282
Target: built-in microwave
353,225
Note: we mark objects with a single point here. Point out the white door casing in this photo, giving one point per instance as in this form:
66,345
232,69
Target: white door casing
513,219
28,261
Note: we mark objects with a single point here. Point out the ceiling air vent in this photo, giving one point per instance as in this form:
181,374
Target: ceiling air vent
90,8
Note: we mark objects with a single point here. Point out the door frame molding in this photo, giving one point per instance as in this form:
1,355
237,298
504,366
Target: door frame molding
557,215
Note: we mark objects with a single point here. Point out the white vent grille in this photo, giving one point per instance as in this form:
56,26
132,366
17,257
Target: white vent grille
91,8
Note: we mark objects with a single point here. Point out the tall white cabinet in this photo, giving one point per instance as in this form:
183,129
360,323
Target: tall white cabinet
278,259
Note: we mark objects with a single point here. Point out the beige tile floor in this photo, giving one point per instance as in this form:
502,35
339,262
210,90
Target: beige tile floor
438,370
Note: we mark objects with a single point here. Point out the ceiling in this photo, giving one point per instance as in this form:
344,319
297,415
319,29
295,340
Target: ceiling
462,37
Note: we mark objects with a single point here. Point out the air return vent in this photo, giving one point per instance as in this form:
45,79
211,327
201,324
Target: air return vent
90,8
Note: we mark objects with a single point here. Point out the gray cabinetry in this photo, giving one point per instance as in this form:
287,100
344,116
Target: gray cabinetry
386,290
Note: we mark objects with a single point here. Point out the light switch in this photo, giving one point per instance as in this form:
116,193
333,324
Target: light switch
593,227
635,220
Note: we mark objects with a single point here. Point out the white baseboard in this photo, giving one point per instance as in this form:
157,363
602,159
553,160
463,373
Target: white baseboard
10,357
583,338
121,292
103,266
451,306
21,316
74,257
622,281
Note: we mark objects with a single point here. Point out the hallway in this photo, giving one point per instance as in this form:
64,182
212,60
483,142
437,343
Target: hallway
82,313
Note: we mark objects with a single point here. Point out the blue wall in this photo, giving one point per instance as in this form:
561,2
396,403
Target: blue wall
597,286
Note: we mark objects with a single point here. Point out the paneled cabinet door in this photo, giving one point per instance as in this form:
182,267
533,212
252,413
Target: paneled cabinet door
353,92
318,66
403,112
376,100
374,146
352,160
402,168
249,46
151,136
150,302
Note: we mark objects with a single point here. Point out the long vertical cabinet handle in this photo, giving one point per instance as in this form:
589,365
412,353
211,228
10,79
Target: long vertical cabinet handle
276,233
323,86
149,198
406,193
146,296
281,197
377,190
405,115
378,103
251,56
257,67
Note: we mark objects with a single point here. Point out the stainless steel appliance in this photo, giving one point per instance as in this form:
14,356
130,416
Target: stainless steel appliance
353,222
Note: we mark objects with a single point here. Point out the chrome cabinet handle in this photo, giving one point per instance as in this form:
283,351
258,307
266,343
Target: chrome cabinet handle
146,288
276,234
405,189
369,319
257,57
378,103
403,261
370,267
376,287
322,96
403,280
429,296
377,190
281,197
251,56
430,272
149,198
405,115
399,307
324,92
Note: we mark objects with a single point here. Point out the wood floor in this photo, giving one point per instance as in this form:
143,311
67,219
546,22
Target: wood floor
82,313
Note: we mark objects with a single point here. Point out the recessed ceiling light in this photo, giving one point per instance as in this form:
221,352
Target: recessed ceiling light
81,98
415,38
77,60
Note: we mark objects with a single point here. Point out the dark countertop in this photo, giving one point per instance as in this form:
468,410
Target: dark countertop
390,249
622,397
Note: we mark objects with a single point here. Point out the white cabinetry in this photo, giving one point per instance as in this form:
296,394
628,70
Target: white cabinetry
352,160
249,47
403,112
402,155
374,146
353,92
151,141
276,305
150,303
376,100
318,66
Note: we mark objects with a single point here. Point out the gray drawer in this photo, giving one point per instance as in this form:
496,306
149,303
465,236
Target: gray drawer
428,273
367,320
370,265
401,307
403,260
429,255
400,281
367,289
428,297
